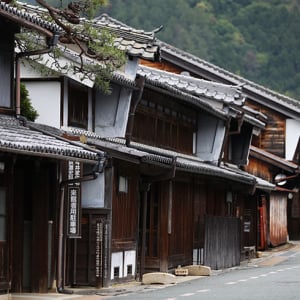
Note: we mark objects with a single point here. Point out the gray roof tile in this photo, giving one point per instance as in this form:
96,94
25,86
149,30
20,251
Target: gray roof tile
284,103
17,138
208,95
134,42
197,87
186,163
23,14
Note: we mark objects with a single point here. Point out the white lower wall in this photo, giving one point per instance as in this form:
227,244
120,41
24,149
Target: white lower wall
122,260
116,262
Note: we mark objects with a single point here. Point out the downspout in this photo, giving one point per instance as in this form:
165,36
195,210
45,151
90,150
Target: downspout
99,168
51,42
136,98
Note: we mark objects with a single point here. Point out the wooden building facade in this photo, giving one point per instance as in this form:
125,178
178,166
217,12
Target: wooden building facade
277,138
31,176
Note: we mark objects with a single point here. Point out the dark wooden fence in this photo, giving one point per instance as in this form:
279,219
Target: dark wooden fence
222,242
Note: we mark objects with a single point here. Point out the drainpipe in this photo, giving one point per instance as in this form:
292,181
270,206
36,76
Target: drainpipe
51,42
99,168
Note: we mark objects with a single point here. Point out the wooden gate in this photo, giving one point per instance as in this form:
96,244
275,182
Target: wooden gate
222,243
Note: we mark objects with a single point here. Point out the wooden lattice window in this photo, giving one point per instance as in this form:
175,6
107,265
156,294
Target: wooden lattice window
77,106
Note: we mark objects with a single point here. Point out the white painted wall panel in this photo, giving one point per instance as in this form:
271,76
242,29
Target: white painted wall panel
45,98
291,139
116,261
129,259
92,192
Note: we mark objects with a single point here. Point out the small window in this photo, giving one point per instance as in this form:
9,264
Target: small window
116,272
78,106
123,184
129,269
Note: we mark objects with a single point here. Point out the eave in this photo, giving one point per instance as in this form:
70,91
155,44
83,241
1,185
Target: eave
273,160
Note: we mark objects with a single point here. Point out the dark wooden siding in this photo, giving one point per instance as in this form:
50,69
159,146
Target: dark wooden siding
260,169
200,197
125,210
181,238
272,138
294,217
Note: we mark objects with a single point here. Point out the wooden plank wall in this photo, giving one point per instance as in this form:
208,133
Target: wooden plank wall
162,122
181,238
272,138
125,209
222,242
278,219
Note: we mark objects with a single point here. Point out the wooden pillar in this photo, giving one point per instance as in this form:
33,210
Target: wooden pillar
17,232
165,223
144,189
40,201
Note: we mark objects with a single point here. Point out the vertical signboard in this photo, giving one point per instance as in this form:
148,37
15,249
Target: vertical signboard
74,201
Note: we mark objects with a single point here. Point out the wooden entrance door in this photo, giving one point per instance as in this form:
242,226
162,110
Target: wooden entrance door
3,241
152,229
88,253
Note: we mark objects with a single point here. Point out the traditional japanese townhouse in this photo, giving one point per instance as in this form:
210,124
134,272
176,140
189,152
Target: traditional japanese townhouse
32,180
278,138
174,201
73,103
165,185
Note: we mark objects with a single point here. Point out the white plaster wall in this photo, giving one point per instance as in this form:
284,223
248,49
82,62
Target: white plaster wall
292,137
131,67
116,261
209,137
111,112
45,98
92,192
129,259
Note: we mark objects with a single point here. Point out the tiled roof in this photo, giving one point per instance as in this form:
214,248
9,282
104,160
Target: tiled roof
211,96
194,86
17,138
135,42
72,57
163,157
212,72
20,14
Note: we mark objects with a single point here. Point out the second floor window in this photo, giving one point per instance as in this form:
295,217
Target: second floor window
162,122
77,106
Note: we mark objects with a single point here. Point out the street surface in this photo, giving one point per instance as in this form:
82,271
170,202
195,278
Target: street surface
276,278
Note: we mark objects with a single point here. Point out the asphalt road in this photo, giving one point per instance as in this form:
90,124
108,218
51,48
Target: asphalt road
277,278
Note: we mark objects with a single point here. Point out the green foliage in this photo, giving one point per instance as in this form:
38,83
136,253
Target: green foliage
256,39
27,109
97,56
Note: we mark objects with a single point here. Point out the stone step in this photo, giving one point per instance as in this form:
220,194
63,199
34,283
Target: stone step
158,278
